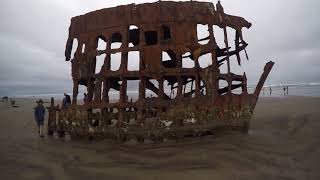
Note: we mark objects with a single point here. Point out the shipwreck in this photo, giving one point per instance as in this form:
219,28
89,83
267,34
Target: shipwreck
181,87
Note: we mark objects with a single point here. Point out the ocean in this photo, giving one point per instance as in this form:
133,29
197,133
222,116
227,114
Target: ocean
302,89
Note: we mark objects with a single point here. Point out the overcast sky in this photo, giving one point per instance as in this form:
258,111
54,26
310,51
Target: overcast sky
33,35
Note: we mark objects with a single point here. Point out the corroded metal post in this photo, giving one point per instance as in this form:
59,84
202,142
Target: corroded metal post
52,118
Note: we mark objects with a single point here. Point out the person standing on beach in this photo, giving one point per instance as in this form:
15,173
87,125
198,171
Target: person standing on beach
270,91
287,90
66,102
39,112
284,90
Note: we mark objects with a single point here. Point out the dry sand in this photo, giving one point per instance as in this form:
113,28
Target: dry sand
283,143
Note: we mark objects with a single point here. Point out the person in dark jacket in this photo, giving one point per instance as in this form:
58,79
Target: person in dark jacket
39,112
66,102
85,98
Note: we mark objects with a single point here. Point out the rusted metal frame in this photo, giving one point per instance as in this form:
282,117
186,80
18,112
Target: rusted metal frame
209,76
160,95
237,42
52,117
75,91
266,71
243,42
198,87
105,80
244,84
228,60
231,53
142,94
122,102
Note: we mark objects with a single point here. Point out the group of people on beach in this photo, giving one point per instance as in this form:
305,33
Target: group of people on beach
40,111
285,90
7,99
270,90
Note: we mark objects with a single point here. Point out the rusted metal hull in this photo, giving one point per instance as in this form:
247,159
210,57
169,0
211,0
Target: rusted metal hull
195,101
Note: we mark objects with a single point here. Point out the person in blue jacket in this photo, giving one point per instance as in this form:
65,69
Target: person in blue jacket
66,102
39,112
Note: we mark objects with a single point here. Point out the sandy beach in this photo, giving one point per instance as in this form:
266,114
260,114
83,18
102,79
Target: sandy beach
283,143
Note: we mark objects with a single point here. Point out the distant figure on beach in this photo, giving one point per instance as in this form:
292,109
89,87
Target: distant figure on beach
12,102
270,91
284,90
85,98
263,90
287,90
66,102
5,98
39,112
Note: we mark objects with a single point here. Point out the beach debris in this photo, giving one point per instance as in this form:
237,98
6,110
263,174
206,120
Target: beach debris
182,73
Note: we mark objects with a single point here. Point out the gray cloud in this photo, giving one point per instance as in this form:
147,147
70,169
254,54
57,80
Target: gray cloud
33,35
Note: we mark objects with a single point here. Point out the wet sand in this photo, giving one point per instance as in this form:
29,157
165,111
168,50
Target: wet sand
283,143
